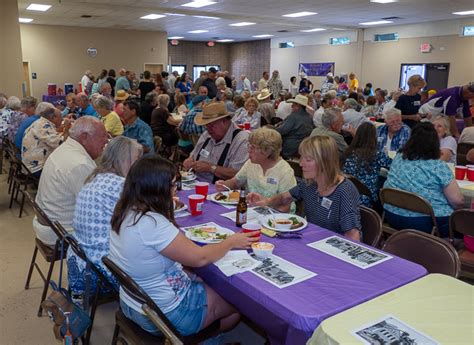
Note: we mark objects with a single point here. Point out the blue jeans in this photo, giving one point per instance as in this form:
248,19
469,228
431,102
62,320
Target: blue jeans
417,223
188,317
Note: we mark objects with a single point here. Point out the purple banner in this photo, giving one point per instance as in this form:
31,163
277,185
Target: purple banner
317,69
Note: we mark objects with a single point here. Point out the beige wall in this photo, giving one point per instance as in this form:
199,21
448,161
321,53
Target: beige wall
58,53
11,68
381,61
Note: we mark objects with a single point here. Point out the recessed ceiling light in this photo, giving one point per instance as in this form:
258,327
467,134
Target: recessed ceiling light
199,3
313,30
25,20
242,24
206,17
153,16
176,14
383,1
198,31
464,13
299,14
175,37
38,7
377,22
225,40
262,36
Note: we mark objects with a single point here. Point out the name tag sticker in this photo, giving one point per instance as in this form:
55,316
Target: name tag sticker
271,180
416,103
205,153
379,139
326,203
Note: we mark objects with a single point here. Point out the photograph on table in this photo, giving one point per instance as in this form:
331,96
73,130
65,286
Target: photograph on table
350,252
390,330
280,272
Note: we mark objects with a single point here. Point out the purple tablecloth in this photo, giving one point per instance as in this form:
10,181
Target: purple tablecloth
290,315
53,99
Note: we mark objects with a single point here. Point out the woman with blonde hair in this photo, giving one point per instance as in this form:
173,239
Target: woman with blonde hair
410,102
330,200
265,172
447,144
249,115
181,107
163,124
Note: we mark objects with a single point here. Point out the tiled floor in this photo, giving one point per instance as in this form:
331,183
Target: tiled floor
18,307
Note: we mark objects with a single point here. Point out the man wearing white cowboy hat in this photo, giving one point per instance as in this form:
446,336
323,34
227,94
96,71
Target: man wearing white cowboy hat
220,151
297,126
266,107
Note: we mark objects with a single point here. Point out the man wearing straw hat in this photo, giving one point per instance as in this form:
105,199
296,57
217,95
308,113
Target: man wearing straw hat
266,107
220,151
297,126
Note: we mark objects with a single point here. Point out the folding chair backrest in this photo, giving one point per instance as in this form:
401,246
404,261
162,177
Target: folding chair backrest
408,201
371,226
135,291
362,188
461,152
431,252
462,221
41,215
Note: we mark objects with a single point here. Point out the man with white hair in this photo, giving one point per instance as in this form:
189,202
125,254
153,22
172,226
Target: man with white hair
64,174
394,134
351,115
85,107
331,126
42,138
86,79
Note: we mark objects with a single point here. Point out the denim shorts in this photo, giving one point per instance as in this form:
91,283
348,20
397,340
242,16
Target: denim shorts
188,317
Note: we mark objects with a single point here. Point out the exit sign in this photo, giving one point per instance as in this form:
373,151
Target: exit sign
425,48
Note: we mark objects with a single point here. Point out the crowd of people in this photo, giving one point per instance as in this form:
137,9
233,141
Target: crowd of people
235,133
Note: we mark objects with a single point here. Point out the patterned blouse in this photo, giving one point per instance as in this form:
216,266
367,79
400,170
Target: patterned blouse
95,204
5,118
16,119
368,175
39,141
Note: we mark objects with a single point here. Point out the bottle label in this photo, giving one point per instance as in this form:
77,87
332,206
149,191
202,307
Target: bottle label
241,217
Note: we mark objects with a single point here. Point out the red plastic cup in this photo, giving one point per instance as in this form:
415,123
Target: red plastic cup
460,172
470,174
241,126
251,227
196,201
247,126
202,188
372,118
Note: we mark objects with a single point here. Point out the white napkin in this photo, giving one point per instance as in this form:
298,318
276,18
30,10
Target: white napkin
236,261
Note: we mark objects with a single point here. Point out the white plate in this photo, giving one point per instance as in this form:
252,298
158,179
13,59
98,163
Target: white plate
184,208
207,241
188,178
212,198
264,222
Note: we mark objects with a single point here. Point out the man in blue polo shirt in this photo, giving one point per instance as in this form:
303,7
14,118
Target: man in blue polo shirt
135,128
448,102
85,107
29,121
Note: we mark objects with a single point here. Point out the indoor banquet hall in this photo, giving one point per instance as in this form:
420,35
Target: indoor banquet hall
227,172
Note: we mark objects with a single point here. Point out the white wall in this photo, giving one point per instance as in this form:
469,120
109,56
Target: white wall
379,62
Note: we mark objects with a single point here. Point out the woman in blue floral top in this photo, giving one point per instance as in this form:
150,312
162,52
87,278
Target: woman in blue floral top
94,208
364,161
418,169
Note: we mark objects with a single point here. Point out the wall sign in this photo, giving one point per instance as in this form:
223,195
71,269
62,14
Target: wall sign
92,52
33,75
425,48
317,69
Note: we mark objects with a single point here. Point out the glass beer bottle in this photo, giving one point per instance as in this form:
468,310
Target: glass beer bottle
241,212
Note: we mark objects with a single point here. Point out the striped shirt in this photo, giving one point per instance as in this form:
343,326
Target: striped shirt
338,212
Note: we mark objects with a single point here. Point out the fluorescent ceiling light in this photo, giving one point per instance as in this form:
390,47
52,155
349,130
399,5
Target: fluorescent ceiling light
38,7
206,17
176,14
313,30
262,36
25,20
464,13
383,1
299,14
225,40
153,16
377,22
242,24
198,31
175,37
199,3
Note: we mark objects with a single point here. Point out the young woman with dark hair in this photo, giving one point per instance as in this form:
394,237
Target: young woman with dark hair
147,244
364,161
418,169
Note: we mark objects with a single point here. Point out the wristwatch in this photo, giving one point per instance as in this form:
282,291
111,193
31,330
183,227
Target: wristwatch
213,168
